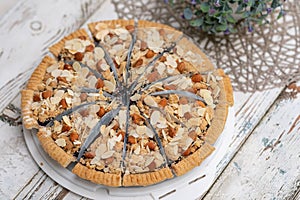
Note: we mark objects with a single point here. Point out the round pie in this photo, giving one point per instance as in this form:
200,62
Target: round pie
135,104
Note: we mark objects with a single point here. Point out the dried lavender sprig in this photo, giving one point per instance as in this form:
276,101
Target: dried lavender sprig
179,92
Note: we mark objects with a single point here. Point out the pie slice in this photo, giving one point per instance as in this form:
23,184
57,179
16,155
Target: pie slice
135,105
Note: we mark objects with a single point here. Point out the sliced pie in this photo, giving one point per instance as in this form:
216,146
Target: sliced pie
136,104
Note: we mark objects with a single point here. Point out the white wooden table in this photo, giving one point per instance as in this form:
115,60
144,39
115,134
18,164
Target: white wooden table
263,161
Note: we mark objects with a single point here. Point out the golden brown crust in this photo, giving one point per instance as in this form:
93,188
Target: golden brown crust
221,111
97,177
149,178
227,87
193,160
53,150
39,73
26,99
57,48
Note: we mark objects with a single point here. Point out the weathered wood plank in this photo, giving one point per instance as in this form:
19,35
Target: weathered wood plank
267,165
26,32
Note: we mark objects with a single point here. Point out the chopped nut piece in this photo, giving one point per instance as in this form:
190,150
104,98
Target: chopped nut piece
138,63
172,131
63,103
78,56
101,112
181,67
197,78
120,132
65,128
130,28
200,103
68,67
89,155
187,152
193,135
137,119
150,54
74,136
131,140
46,94
89,48
61,142
143,46
163,102
100,83
151,145
36,97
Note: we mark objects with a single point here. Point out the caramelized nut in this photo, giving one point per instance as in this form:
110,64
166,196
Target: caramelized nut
99,84
131,139
65,128
150,54
137,119
89,48
89,155
151,145
101,112
200,103
187,152
152,76
68,67
78,56
63,103
138,63
74,136
181,67
120,132
196,78
46,94
36,97
61,79
170,87
162,59
172,132
130,28
163,102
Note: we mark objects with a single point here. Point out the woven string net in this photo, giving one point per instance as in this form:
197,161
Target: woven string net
267,58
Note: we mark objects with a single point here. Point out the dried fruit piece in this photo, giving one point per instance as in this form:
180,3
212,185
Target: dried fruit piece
83,97
101,112
143,46
197,78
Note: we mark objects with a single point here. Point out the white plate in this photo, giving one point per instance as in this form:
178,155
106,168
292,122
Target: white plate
189,186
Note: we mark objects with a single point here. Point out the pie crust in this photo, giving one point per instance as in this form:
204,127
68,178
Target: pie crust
135,105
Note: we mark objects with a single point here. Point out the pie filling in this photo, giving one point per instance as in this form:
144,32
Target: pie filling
128,103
